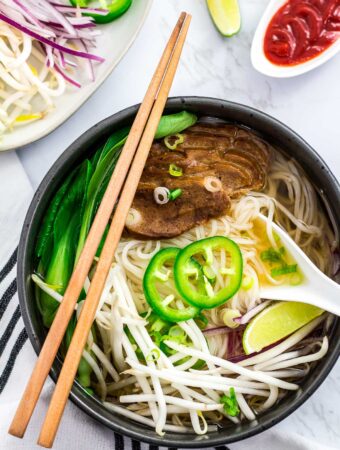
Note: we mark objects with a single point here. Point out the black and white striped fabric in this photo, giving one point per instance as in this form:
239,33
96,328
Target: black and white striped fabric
8,294
8,291
13,342
77,430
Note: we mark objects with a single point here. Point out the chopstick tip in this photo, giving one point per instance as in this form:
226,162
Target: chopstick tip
16,433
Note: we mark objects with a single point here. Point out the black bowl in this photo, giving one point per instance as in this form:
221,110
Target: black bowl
273,131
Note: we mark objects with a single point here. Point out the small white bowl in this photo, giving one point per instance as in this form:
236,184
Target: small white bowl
263,65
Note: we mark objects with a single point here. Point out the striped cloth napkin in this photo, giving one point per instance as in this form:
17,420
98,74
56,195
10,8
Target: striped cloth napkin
77,431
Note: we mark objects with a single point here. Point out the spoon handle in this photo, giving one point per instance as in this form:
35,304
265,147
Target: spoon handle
321,293
315,289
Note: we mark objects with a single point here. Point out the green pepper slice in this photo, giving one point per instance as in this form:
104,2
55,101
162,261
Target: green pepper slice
202,251
115,8
155,275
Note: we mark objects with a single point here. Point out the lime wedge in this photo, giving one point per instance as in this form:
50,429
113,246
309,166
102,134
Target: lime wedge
226,16
275,323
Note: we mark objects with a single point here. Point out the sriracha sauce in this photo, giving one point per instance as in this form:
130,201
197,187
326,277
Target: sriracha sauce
301,30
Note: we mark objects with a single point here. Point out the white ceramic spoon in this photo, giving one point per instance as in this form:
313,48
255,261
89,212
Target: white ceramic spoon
263,65
315,289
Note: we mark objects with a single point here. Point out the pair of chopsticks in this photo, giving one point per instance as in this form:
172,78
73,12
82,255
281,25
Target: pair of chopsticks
129,169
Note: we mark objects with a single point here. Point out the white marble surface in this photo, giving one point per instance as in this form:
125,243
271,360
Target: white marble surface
219,67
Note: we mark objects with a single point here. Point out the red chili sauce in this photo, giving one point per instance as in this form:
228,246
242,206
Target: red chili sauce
301,30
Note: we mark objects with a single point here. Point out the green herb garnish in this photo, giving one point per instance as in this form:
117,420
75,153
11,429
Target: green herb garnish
284,270
229,403
153,355
175,193
201,321
175,171
172,141
272,255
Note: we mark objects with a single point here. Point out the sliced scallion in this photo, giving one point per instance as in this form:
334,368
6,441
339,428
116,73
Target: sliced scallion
177,332
247,283
284,270
175,171
295,279
175,193
153,355
171,142
272,255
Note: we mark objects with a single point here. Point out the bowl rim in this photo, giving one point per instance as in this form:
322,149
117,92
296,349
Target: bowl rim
78,395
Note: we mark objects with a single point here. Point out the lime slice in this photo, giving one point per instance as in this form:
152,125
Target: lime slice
275,323
226,16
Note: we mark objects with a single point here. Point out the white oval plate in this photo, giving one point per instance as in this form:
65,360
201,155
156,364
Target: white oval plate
112,44
263,65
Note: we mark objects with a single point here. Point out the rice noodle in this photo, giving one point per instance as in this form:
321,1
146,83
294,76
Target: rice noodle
169,393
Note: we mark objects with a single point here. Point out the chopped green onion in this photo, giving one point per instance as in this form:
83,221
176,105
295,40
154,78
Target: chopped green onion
229,403
272,255
177,332
228,317
201,321
284,270
153,355
175,193
179,140
247,283
158,324
295,279
175,171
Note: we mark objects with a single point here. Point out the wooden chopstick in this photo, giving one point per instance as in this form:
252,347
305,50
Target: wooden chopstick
76,283
87,315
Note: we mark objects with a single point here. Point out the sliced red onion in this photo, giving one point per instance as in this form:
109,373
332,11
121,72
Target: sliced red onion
50,57
66,77
52,25
235,347
28,13
336,262
90,65
67,8
235,352
53,44
60,17
218,331
237,356
62,60
251,313
77,26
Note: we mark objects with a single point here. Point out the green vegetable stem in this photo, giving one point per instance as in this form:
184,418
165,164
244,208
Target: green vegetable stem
230,404
70,214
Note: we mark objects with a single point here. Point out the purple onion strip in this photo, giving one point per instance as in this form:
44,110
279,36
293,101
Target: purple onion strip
220,330
78,27
28,13
66,77
46,5
61,48
68,8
